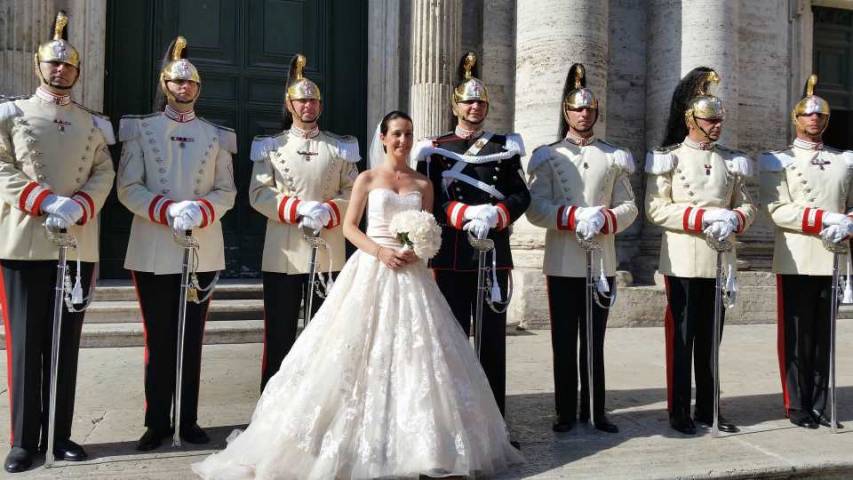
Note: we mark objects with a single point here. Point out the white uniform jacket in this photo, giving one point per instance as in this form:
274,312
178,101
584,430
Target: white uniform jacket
166,160
798,185
49,144
293,167
566,176
683,182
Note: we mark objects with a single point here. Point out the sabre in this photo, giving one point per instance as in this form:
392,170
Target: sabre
591,295
315,242
63,240
482,246
188,243
721,247
838,250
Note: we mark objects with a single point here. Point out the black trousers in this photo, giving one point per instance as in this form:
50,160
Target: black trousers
283,295
26,299
689,327
803,340
158,298
460,290
567,305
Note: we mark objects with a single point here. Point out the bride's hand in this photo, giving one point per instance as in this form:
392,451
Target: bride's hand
408,255
390,257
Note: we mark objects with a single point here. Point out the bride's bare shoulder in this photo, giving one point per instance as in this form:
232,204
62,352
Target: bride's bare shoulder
423,183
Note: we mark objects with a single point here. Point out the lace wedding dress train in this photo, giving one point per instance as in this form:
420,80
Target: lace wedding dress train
382,384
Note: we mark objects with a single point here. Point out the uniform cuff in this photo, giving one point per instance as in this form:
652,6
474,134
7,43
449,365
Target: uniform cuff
741,221
208,213
157,209
32,197
287,209
610,224
566,217
692,219
812,220
503,216
334,214
87,204
456,214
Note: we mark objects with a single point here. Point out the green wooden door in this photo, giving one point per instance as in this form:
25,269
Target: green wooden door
242,49
833,63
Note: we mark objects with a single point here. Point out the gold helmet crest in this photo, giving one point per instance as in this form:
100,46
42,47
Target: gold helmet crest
703,104
810,103
298,86
469,87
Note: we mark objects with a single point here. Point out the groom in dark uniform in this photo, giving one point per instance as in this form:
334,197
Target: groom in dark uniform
480,189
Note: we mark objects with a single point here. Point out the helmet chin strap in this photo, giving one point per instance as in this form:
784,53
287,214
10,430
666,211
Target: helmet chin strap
704,132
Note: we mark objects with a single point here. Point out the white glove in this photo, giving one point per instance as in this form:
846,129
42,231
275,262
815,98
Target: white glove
321,213
181,224
305,207
829,218
720,215
64,207
593,216
55,223
478,227
585,230
489,215
192,213
312,223
719,230
474,211
838,233
177,208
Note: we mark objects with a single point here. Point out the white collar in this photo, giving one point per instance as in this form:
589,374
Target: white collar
180,117
466,134
699,145
51,97
579,141
300,133
807,145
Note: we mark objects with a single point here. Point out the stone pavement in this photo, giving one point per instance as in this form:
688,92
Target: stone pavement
109,414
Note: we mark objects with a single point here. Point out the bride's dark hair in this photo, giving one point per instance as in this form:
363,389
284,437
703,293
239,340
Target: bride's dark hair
392,115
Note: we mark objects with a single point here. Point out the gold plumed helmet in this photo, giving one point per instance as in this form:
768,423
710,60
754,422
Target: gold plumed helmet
810,103
579,96
704,105
177,67
58,49
468,86
299,87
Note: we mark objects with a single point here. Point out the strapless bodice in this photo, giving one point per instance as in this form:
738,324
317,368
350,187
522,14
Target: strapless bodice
382,205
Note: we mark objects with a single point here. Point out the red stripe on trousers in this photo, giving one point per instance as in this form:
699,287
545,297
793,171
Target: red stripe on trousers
780,343
5,312
144,335
669,332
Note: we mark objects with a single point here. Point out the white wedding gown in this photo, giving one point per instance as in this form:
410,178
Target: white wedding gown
382,384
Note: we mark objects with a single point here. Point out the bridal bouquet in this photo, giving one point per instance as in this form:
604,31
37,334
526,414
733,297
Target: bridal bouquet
417,230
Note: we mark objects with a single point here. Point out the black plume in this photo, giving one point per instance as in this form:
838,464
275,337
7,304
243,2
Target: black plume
687,88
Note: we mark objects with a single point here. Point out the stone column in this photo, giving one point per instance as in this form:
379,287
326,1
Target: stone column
684,35
383,75
435,48
551,35
498,63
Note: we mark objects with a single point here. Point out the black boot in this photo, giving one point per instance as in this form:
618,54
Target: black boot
151,439
18,460
802,419
194,434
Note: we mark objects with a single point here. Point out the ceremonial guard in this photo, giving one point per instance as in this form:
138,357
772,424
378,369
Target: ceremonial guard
480,190
581,193
301,181
806,189
55,171
176,177
696,192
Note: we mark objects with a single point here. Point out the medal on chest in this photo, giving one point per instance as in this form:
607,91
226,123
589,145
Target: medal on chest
61,124
182,141
819,162
306,152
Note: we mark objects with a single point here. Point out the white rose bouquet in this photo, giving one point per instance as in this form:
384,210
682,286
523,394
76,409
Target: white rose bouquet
418,230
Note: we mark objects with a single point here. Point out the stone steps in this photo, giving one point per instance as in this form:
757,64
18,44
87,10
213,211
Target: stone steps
128,311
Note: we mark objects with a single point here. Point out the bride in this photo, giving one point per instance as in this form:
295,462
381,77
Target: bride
383,382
